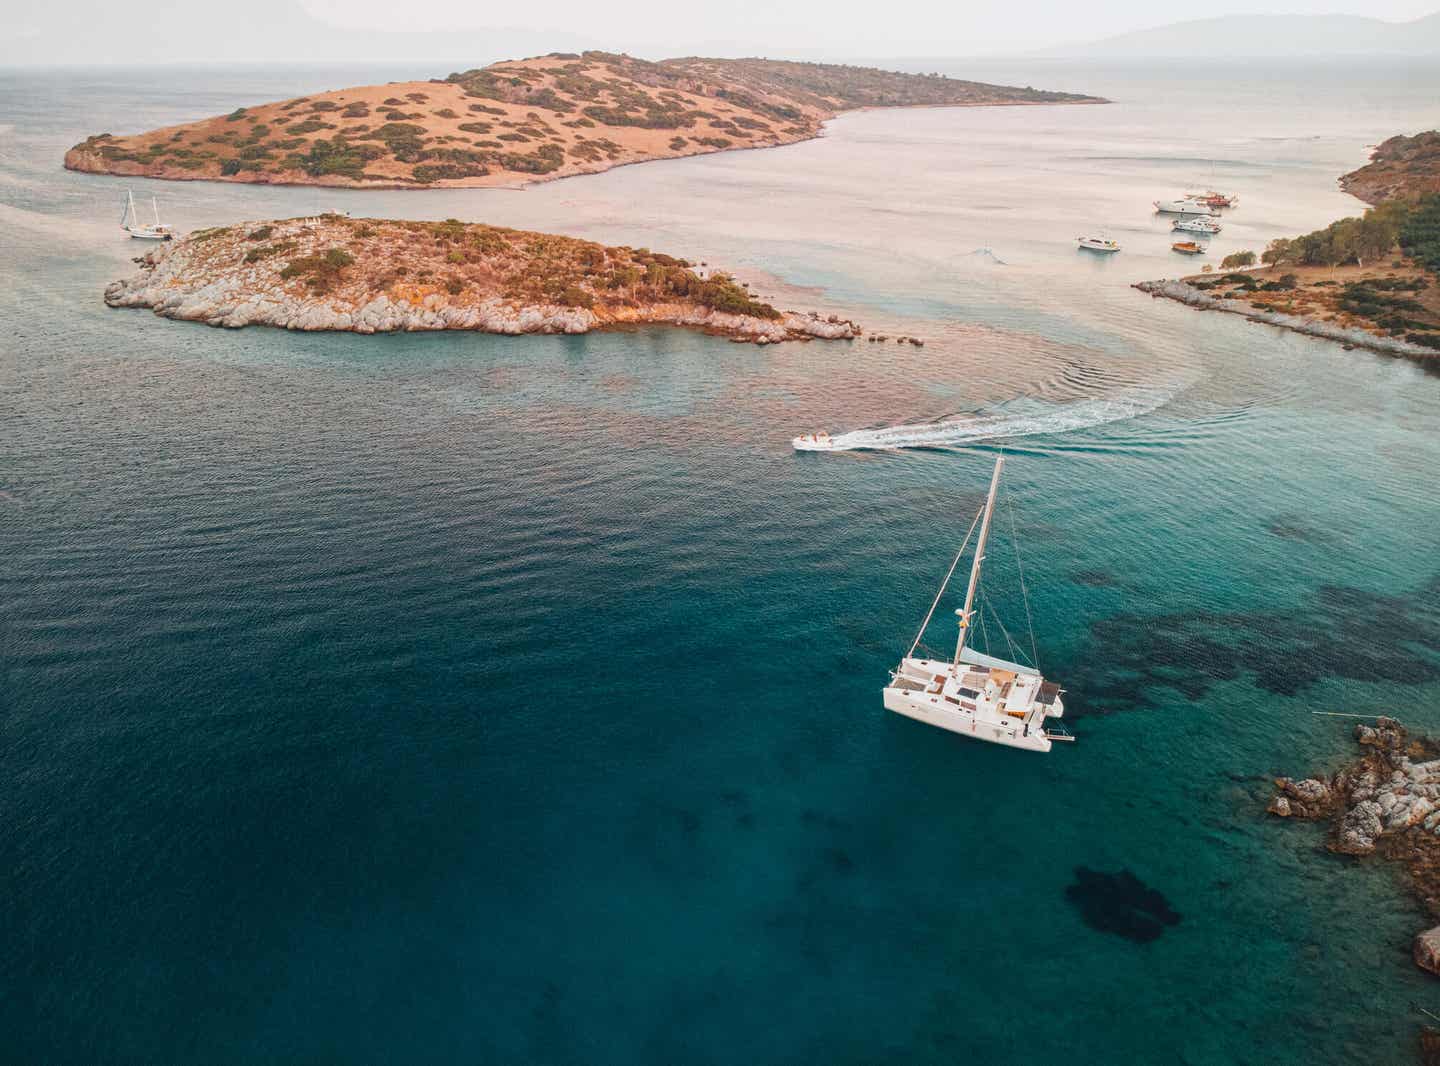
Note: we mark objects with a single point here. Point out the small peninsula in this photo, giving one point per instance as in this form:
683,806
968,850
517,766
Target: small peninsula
333,272
1369,282
528,120
1401,168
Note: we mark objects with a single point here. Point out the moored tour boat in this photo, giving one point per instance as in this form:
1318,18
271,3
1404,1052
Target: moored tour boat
1188,248
1183,207
1198,224
1098,244
1214,199
976,695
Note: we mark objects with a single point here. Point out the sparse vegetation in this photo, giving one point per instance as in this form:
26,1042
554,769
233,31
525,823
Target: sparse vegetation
733,102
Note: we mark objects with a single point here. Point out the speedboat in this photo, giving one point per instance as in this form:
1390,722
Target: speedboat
1183,207
1198,224
1188,248
814,442
1098,244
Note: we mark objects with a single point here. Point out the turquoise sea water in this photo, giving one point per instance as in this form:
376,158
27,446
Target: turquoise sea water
437,698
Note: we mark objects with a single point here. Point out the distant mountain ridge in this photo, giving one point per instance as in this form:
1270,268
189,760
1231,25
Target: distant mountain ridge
1257,36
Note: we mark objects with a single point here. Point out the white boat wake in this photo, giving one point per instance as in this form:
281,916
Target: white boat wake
1022,418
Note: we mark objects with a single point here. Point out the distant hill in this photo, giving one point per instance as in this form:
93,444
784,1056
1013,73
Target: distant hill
1241,36
527,120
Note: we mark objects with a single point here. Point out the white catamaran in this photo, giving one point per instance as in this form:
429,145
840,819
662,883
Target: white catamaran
976,695
131,224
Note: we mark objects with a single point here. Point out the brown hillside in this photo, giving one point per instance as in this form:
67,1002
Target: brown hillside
1403,168
525,120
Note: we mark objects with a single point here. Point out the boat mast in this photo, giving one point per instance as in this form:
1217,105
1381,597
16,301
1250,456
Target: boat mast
155,206
965,612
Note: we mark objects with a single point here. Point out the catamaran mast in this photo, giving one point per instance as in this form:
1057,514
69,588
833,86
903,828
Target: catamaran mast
965,612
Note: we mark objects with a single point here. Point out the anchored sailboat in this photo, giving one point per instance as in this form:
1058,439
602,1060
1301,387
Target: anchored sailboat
976,695
131,224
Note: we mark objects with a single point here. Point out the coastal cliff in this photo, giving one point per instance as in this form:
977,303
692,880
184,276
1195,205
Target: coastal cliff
379,275
527,120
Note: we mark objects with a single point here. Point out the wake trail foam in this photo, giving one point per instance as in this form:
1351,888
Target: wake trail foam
1024,418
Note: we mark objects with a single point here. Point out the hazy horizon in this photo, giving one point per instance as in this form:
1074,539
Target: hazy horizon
172,32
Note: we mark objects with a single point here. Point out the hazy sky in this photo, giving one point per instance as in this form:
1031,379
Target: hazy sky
914,27
198,31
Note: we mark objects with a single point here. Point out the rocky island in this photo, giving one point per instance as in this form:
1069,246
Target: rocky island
333,272
528,120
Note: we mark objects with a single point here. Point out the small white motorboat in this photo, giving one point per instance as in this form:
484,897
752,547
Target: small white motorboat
1198,224
1183,207
814,442
1098,244
144,231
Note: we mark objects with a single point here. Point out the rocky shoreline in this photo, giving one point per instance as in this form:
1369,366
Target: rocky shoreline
379,276
1185,293
1387,803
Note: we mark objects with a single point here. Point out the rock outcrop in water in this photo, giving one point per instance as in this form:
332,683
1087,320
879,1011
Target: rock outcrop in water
1387,803
378,276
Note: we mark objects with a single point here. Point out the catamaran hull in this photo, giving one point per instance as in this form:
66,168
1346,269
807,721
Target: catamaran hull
932,711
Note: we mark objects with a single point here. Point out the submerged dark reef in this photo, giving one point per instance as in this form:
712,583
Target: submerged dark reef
1122,904
1383,638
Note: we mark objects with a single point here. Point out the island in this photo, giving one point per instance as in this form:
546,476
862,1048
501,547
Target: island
528,120
1367,282
368,275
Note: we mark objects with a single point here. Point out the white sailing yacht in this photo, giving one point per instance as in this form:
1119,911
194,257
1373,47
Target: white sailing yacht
131,224
976,695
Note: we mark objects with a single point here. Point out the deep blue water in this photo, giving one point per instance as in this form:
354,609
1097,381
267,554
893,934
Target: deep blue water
439,698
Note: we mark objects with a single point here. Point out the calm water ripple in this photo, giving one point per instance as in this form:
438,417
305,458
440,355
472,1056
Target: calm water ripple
447,697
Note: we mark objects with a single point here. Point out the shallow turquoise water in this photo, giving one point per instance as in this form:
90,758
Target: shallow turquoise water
437,697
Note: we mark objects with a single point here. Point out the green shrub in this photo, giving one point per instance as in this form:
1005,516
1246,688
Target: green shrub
575,296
